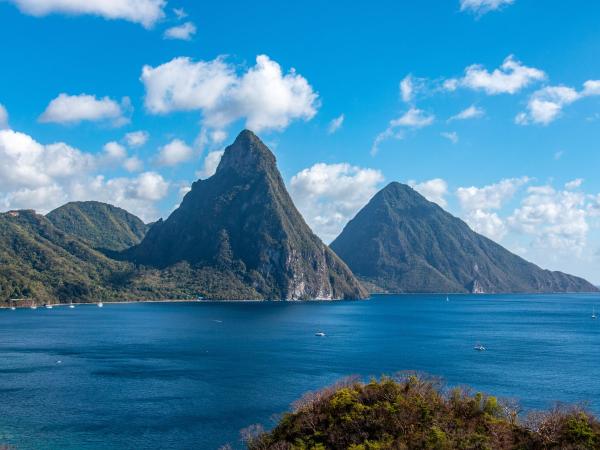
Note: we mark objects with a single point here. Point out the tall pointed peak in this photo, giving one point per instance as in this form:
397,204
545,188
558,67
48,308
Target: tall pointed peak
247,155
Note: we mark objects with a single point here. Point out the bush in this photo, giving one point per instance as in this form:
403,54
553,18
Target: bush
413,412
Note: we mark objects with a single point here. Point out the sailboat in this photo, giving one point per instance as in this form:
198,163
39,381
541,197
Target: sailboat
447,298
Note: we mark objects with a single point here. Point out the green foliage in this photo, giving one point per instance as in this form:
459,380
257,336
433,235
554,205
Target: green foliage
417,413
400,242
100,225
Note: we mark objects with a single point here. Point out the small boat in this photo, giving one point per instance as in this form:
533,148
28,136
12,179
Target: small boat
447,298
100,305
594,313
48,306
71,305
33,307
12,308
319,333
479,348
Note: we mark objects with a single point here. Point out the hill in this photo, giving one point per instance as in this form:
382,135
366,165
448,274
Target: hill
400,242
242,224
101,225
414,413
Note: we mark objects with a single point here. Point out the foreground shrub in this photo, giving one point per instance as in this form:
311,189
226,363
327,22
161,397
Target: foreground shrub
413,412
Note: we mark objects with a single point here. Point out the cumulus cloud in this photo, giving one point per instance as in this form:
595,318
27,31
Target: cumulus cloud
73,109
133,164
174,153
478,205
510,78
452,136
144,12
328,195
335,124
183,32
574,184
43,177
434,190
136,138
472,112
481,7
3,117
414,118
556,219
546,104
114,151
263,96
211,162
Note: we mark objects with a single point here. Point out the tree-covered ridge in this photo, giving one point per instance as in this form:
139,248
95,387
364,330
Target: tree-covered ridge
400,242
101,225
243,223
412,412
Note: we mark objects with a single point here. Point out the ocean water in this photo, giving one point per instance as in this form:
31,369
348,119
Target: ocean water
191,375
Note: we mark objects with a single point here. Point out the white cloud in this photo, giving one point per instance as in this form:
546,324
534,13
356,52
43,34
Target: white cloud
481,7
492,196
211,162
510,78
406,89
114,151
133,164
452,136
72,109
175,152
263,96
3,117
328,195
434,190
136,138
414,118
182,32
574,184
472,112
43,177
556,219
180,13
144,12
478,205
335,124
546,104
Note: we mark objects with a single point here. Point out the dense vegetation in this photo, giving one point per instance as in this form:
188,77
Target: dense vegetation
101,225
400,242
415,413
242,223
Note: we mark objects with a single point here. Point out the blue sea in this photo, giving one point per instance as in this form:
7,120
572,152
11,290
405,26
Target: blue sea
192,375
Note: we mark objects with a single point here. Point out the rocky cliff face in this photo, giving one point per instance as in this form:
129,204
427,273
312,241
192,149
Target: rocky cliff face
400,242
242,222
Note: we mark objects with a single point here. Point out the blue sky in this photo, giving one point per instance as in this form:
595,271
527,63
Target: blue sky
519,165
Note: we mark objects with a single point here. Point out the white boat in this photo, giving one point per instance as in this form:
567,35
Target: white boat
479,348
71,306
319,333
12,308
100,305
447,298
33,307
48,306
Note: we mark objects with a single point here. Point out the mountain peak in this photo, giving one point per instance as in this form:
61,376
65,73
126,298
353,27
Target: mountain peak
247,155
